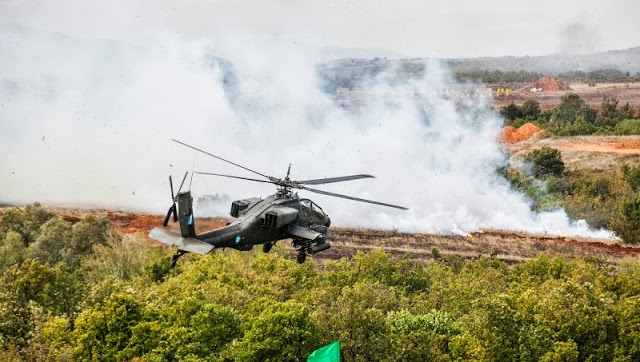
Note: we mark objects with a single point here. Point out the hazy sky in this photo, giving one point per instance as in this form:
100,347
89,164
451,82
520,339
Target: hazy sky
451,28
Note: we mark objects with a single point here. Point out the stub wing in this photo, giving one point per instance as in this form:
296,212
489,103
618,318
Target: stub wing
187,244
304,233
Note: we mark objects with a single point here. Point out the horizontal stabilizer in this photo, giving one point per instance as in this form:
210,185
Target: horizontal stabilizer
303,232
187,244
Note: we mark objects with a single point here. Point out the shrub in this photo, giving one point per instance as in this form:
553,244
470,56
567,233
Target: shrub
594,197
628,127
627,225
530,109
546,162
631,175
511,112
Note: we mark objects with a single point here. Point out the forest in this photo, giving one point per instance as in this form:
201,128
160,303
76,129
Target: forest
83,291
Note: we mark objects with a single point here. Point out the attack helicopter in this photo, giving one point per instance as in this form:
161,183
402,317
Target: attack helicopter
283,215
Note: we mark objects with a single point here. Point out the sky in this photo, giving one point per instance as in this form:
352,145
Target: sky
404,28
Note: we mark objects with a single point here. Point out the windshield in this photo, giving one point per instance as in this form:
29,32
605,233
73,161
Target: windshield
317,211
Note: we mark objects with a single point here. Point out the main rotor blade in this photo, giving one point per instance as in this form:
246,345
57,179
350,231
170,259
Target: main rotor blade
171,185
328,180
354,198
183,179
219,158
238,177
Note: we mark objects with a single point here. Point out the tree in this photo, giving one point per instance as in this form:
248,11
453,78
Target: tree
571,107
282,332
628,127
421,337
594,197
626,111
357,317
562,352
627,225
104,332
12,250
631,175
530,109
609,106
34,285
546,161
88,232
26,222
628,349
54,237
511,112
189,330
581,127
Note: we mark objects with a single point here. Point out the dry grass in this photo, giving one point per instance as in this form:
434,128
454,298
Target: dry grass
511,247
508,246
595,153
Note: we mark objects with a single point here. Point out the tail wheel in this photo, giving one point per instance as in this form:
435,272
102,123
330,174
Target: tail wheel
302,256
266,247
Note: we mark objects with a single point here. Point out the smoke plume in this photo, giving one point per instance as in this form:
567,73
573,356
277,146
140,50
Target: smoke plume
89,122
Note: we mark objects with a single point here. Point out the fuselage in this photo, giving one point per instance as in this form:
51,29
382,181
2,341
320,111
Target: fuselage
265,220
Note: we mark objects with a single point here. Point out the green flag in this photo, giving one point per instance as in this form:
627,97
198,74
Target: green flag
328,353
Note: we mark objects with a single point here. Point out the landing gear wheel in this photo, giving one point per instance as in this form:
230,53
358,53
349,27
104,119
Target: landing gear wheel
266,247
302,256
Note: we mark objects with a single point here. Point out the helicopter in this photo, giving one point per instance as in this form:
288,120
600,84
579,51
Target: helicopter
283,215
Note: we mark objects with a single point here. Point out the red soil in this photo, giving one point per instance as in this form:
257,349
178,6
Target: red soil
548,84
512,135
628,144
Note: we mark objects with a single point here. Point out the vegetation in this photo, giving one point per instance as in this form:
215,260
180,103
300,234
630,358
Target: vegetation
498,76
545,161
573,117
265,307
604,200
608,200
359,73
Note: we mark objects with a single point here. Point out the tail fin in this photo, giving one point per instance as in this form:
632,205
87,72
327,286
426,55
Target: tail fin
185,215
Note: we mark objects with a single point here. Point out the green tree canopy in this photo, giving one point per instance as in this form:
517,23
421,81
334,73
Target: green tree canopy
571,107
546,161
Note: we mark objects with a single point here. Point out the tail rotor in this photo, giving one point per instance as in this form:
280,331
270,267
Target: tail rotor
173,210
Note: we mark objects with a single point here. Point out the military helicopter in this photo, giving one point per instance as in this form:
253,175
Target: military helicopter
283,215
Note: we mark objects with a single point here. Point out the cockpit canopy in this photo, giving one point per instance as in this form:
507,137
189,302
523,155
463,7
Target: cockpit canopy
308,207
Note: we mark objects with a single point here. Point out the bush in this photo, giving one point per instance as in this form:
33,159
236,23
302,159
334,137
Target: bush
631,175
511,112
546,161
628,127
530,109
627,225
594,197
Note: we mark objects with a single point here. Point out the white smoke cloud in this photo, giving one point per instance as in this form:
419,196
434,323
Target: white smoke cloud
90,121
